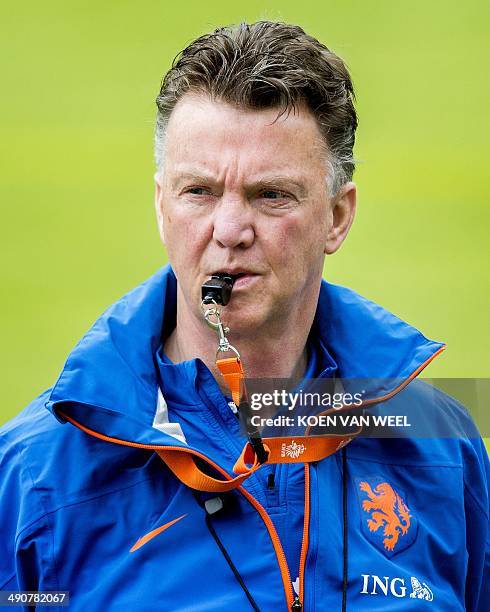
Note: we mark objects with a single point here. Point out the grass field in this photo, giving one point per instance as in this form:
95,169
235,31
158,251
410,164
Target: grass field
76,149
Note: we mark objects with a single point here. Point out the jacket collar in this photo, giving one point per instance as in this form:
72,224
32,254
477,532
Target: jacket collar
109,382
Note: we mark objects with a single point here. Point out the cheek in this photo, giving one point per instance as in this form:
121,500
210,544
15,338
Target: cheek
294,237
283,244
185,236
296,246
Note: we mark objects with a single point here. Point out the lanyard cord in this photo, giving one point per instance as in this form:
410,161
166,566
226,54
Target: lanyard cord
224,552
345,527
233,568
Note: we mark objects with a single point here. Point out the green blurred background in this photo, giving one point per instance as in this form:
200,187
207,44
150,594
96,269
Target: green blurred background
77,110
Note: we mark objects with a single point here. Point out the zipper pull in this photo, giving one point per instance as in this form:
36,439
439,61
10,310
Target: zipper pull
271,482
296,606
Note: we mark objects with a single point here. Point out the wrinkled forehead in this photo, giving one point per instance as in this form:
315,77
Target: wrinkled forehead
210,133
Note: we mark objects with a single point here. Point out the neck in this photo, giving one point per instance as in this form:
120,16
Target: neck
279,353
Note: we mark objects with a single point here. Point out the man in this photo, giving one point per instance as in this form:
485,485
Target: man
143,491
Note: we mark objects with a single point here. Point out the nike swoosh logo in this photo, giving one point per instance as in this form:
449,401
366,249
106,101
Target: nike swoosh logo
149,536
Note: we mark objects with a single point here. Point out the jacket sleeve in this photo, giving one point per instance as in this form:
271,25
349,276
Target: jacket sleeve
476,482
25,552
10,503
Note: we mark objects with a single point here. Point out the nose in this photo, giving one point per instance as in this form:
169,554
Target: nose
233,224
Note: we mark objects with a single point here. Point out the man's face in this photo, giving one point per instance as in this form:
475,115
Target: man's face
244,193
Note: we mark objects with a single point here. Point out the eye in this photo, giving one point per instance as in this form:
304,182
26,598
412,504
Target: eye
272,194
276,200
197,191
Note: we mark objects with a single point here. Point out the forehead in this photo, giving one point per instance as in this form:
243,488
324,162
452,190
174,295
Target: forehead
209,132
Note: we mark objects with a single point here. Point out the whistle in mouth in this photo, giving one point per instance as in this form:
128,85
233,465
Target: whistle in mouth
217,289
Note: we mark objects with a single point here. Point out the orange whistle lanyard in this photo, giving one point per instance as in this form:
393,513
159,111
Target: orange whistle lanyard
231,368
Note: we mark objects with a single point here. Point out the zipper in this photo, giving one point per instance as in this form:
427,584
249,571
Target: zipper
276,543
305,541
294,603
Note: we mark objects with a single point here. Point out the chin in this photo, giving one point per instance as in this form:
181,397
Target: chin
244,321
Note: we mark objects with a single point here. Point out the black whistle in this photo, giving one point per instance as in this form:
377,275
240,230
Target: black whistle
218,289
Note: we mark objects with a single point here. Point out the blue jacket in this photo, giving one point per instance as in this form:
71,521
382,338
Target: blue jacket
380,525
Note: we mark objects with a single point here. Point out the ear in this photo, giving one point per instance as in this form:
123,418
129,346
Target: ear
343,210
159,203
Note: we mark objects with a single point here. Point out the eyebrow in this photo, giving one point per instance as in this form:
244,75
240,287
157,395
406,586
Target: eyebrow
267,181
184,177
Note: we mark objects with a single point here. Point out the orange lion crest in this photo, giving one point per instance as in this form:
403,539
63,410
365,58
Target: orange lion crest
388,511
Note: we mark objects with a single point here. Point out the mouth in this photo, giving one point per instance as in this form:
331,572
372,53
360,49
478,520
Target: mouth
235,275
239,278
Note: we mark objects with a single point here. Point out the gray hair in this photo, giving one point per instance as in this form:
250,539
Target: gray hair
268,65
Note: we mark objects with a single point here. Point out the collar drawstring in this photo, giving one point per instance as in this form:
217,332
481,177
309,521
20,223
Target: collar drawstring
211,507
345,529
